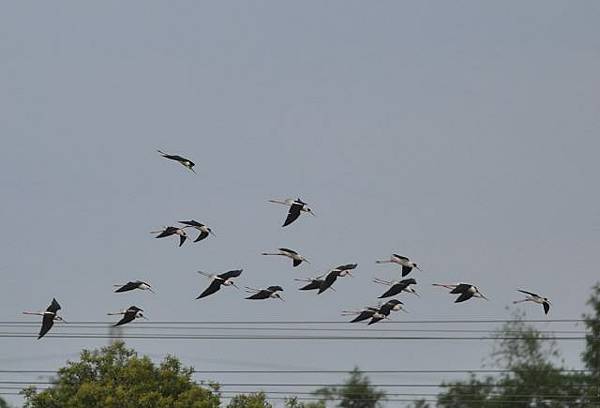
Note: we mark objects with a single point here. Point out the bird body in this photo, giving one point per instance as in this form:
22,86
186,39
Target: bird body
187,163
535,298
397,287
296,258
407,264
168,231
129,315
49,316
331,277
268,293
223,279
297,207
131,285
204,230
465,290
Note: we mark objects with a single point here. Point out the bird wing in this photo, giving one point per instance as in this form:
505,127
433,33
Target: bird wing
546,307
192,223
262,294
364,315
202,235
182,239
275,288
315,284
297,262
293,213
127,287
326,284
167,232
127,317
375,320
346,267
401,257
464,296
214,286
406,270
460,288
289,251
47,323
230,274
54,306
394,290
528,293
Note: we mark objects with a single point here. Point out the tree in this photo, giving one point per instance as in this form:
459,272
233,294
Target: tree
256,400
357,392
294,403
3,403
591,354
115,377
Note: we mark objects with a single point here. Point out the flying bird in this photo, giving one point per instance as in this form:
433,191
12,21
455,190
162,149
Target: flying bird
224,279
204,230
129,315
296,258
297,207
407,264
397,287
185,162
331,277
385,310
131,285
313,283
466,291
268,293
533,297
168,231
361,315
48,317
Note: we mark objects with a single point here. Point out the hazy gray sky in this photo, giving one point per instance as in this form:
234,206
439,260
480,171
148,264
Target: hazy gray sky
463,134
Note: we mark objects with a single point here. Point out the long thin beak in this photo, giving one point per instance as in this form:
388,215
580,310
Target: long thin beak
282,299
419,269
212,233
62,320
306,260
483,296
234,285
150,289
144,317
415,293
192,169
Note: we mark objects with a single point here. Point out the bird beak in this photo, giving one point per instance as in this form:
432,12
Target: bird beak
212,233
144,317
415,293
234,285
419,269
482,295
306,260
192,169
150,289
61,319
282,299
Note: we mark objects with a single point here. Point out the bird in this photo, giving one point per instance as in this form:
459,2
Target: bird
407,264
224,279
129,315
397,287
297,207
48,317
466,291
331,277
363,314
270,292
168,231
313,283
296,258
185,162
131,285
533,297
385,310
204,230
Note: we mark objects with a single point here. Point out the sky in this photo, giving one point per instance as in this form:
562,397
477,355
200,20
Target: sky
462,134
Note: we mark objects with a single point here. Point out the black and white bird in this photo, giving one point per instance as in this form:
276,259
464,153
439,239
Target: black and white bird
269,293
465,290
361,315
131,285
48,317
397,287
129,315
187,163
407,264
223,279
332,275
535,298
313,283
204,230
297,207
296,258
385,310
168,231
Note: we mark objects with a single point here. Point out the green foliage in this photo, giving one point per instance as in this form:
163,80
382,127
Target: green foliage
257,400
294,403
591,354
357,392
115,377
3,403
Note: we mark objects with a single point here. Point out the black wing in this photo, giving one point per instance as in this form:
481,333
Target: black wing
386,308
346,267
297,262
460,288
406,270
291,251
315,284
167,232
394,290
275,288
231,274
409,281
375,320
202,235
192,223
401,257
47,323
127,317
128,286
464,296
54,306
182,239
293,214
214,286
329,279
263,294
528,293
546,307
364,315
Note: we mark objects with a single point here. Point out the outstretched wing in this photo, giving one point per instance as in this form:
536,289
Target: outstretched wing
546,307
54,306
460,288
230,274
127,287
464,296
202,235
329,279
192,223
528,293
127,317
263,294
394,290
315,284
406,270
182,239
293,214
47,323
401,257
289,251
214,286
346,267
364,315
297,262
167,232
